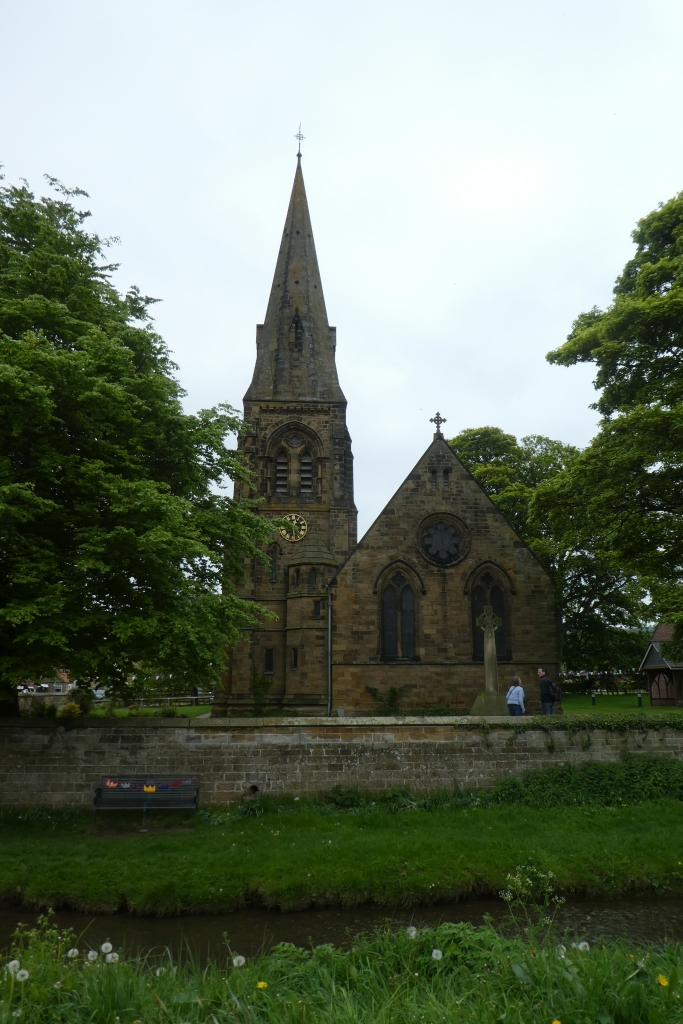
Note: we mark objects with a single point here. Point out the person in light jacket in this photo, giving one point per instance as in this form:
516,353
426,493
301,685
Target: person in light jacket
515,697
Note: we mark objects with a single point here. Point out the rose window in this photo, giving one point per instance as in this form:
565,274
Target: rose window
441,543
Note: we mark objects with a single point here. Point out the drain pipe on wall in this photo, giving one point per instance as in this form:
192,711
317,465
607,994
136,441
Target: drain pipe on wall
329,651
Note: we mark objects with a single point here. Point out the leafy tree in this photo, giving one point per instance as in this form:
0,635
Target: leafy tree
601,605
629,481
118,545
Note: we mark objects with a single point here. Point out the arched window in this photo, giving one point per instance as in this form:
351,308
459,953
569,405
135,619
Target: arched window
306,464
312,578
488,591
273,553
281,473
398,618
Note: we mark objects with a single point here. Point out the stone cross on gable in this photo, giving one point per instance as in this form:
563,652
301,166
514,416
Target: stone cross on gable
438,420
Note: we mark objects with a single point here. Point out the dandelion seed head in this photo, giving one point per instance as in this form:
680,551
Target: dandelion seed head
22,975
106,947
411,931
112,958
437,954
92,955
72,953
238,961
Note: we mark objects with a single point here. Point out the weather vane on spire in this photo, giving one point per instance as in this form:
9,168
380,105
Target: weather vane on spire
300,137
438,420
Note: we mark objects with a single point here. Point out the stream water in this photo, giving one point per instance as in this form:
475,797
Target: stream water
638,917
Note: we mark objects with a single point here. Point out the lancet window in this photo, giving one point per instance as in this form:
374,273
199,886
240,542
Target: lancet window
282,473
488,591
306,470
398,618
273,554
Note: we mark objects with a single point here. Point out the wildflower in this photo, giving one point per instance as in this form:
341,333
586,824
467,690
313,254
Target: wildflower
264,984
661,980
57,984
583,946
22,975
92,955
112,958
72,953
106,947
557,1022
238,961
437,954
412,932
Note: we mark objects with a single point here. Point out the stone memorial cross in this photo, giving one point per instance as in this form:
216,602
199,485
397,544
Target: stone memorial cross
489,622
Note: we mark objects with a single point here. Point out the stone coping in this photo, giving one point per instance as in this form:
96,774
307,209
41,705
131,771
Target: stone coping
304,721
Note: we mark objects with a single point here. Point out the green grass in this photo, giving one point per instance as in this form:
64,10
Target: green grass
454,973
617,704
317,857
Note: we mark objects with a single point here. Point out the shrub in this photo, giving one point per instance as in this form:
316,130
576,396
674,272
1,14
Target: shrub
70,710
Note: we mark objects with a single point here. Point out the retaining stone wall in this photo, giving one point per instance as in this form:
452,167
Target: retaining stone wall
44,762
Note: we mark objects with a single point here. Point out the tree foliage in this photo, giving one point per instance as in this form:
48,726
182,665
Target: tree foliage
601,605
118,545
628,484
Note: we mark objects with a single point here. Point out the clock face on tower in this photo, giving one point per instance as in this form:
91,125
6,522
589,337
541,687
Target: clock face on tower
295,529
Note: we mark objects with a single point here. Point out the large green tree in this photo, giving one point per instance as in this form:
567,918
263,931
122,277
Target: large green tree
601,604
628,485
118,544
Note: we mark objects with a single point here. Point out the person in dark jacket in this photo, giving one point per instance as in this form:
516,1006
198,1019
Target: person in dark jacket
548,693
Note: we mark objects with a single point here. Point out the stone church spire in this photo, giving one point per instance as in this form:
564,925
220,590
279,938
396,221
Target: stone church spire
295,345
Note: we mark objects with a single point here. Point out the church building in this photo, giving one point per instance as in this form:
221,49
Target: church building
392,617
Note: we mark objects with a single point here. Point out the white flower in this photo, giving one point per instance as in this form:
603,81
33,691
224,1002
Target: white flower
583,946
57,984
412,932
106,947
72,953
92,955
21,975
238,961
112,958
13,966
437,954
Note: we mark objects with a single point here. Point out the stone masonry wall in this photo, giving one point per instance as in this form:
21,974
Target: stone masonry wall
45,762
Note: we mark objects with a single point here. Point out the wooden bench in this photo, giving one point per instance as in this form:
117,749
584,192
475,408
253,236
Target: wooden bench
147,793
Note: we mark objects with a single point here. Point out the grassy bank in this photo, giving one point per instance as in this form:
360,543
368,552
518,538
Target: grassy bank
602,829
452,973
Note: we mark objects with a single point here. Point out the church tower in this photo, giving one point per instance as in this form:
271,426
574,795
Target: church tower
300,451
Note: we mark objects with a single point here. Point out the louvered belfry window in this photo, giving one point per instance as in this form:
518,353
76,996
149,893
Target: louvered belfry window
306,473
282,473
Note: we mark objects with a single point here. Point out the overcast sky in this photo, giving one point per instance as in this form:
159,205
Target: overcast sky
474,171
